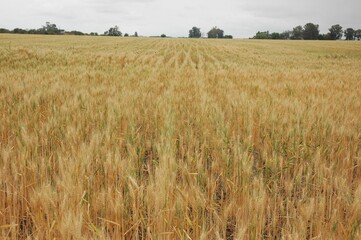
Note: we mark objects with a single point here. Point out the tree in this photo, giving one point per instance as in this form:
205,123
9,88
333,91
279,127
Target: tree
326,36
195,32
126,35
51,28
267,35
4,30
261,35
75,33
163,35
335,32
350,34
32,31
357,34
19,30
215,33
228,36
275,35
297,33
285,35
310,31
136,34
114,31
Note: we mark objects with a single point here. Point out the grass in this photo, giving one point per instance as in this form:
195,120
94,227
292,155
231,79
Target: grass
135,138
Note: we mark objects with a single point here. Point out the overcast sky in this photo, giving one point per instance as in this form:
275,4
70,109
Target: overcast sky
241,18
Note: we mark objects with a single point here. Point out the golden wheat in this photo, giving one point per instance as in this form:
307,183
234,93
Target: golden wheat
135,138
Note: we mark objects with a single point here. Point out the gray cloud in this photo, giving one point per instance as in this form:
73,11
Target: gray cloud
241,18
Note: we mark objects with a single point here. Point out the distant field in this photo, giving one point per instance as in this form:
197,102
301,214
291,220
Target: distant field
136,138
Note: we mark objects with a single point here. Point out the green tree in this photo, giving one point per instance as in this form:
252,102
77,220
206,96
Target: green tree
75,33
19,30
357,34
4,30
326,36
51,29
262,35
335,32
163,35
215,33
310,31
136,34
32,31
275,35
285,35
195,32
126,35
350,34
297,33
114,31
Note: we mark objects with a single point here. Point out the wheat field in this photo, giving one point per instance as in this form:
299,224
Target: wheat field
145,138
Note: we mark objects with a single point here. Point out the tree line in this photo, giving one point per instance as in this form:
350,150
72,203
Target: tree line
215,32
311,32
49,28
52,29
